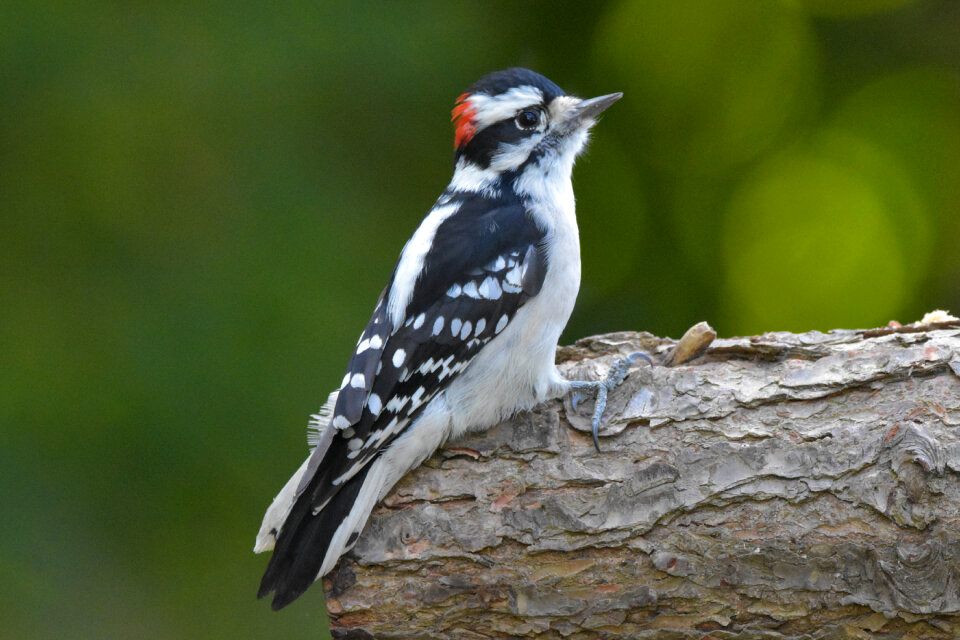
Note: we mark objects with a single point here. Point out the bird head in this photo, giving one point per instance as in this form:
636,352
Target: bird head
512,119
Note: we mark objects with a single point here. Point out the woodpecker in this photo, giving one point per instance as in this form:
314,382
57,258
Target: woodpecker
464,334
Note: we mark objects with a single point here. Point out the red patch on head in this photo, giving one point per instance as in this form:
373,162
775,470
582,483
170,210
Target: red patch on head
463,123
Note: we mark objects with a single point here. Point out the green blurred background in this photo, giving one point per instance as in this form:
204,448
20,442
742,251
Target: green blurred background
202,200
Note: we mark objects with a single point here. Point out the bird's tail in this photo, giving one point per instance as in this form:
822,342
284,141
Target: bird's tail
307,540
308,545
280,508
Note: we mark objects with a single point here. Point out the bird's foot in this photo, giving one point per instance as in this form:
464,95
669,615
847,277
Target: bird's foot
616,375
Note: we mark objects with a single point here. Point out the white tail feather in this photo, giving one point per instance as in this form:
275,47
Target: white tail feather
280,508
277,513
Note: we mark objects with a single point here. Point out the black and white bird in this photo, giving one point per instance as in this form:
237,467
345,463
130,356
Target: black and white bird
465,333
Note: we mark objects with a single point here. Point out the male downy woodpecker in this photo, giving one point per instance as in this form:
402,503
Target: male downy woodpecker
465,333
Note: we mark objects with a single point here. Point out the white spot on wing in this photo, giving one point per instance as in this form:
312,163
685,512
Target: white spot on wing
373,404
454,290
470,289
509,288
481,324
417,398
398,357
340,422
354,444
455,326
375,342
419,321
501,323
358,381
397,403
490,288
467,328
387,430
437,326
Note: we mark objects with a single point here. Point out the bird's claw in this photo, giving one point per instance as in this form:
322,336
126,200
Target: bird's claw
636,356
575,400
616,375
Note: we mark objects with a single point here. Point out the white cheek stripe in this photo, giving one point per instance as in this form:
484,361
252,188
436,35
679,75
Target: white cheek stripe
509,157
411,262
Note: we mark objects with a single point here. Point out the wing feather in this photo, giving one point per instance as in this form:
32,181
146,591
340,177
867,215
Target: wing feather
486,262
465,296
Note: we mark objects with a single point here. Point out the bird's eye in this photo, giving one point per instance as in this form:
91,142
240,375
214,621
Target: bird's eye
528,118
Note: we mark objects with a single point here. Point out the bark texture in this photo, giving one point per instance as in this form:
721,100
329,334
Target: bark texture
783,486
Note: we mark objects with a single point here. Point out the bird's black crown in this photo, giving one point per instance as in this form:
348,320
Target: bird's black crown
499,82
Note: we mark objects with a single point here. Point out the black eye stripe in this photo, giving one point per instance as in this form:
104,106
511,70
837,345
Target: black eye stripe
490,139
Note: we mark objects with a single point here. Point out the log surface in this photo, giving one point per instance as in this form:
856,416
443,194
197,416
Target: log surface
783,486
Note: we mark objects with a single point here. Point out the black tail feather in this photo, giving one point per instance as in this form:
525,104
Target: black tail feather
303,540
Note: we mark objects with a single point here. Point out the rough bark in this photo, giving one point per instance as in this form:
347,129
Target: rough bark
781,486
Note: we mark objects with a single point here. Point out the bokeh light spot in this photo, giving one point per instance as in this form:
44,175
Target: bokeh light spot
808,244
711,84
914,114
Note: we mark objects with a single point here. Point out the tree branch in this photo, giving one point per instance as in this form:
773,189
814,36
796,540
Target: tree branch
781,486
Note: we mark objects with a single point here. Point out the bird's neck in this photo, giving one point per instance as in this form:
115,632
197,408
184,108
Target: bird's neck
547,189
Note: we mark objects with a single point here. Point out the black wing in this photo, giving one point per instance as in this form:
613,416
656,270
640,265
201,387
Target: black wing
484,265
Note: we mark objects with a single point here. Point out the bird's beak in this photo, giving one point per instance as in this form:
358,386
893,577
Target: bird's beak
586,111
